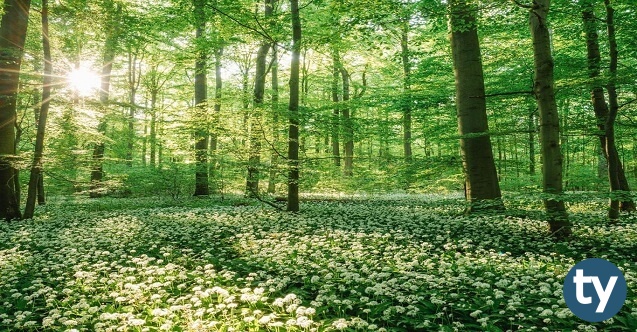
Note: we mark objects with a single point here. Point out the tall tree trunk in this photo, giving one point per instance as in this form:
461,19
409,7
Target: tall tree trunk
293,134
201,103
214,133
336,123
36,166
217,108
482,188
615,169
531,126
153,127
12,37
274,159
549,119
110,45
348,126
406,102
134,74
256,127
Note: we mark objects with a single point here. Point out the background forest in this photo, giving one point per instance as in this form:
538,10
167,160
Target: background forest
430,142
394,118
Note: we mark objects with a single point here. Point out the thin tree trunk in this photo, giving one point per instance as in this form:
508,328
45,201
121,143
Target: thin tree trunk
531,126
348,126
133,85
12,37
256,127
201,103
214,133
615,168
293,134
110,45
549,119
406,102
153,127
36,167
482,188
274,158
336,113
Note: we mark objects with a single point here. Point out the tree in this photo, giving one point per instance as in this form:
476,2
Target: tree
605,118
549,119
616,173
407,107
13,29
201,132
482,188
293,132
274,158
47,80
256,127
336,153
110,47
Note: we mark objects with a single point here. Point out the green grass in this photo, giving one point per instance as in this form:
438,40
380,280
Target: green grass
393,263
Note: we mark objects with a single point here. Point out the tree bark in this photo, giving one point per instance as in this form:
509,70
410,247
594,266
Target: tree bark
549,119
13,31
134,69
214,132
406,102
153,127
201,103
293,133
348,126
615,169
110,45
532,127
256,130
336,123
36,166
274,158
482,188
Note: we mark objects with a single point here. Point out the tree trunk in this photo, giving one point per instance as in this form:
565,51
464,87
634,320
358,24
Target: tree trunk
531,126
406,102
256,127
12,37
274,159
348,126
615,169
110,45
133,85
293,134
201,103
214,133
336,113
36,167
549,120
153,127
482,188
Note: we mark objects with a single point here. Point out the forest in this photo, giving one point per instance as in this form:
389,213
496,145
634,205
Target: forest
314,165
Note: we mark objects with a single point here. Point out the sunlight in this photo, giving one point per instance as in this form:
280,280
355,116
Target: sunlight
83,81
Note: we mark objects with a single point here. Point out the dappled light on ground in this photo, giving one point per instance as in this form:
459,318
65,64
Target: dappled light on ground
401,264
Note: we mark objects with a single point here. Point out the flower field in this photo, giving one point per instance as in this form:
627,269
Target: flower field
386,264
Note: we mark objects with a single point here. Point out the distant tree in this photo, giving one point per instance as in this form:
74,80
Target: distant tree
13,30
114,11
201,132
255,120
293,133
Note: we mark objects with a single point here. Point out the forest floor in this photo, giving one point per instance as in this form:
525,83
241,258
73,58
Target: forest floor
382,263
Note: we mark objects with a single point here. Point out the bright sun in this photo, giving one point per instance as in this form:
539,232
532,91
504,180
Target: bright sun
84,81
